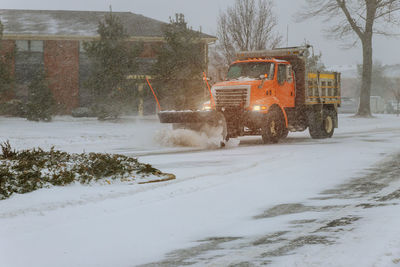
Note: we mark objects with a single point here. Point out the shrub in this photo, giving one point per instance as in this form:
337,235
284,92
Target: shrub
28,170
7,151
13,108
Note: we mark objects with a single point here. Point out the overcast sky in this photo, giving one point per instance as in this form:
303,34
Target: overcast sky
204,14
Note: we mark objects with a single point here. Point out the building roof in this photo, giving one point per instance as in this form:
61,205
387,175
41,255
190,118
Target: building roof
64,24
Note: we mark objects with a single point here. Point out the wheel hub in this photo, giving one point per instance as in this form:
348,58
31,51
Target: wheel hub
328,123
273,128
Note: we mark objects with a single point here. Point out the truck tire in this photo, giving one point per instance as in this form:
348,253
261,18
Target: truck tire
273,128
322,125
285,133
329,122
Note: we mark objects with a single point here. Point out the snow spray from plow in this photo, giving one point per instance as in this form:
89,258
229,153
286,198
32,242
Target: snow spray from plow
206,137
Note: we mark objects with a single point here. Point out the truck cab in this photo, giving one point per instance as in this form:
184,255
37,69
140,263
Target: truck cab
270,82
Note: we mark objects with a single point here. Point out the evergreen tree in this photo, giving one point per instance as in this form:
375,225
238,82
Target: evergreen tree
6,79
113,60
40,105
179,66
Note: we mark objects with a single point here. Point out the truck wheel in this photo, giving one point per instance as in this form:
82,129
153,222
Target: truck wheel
273,127
285,133
322,126
328,119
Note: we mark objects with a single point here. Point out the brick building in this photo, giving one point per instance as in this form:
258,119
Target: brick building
52,40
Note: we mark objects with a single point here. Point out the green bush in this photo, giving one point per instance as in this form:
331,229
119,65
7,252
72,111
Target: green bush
28,170
13,108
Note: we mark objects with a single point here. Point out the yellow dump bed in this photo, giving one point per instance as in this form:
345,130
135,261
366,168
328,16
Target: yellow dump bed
323,88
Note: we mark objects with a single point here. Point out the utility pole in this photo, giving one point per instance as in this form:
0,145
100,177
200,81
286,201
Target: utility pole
287,35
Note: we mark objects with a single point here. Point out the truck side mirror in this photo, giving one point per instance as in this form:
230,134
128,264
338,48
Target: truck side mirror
263,77
289,77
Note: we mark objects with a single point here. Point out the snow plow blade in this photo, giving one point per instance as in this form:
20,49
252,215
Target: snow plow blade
195,120
188,116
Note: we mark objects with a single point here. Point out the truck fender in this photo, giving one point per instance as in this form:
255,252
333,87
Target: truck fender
278,106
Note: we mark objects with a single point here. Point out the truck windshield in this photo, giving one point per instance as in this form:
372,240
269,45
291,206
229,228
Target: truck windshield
251,70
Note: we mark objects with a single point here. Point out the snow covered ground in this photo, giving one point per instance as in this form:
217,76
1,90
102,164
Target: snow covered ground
301,202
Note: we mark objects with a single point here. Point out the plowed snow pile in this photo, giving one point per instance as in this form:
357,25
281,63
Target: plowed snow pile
208,137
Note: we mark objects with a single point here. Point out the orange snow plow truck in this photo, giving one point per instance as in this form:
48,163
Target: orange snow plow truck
268,93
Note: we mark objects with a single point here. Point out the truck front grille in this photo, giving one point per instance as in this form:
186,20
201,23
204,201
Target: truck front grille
235,97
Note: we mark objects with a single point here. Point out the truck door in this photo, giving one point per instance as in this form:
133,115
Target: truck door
285,91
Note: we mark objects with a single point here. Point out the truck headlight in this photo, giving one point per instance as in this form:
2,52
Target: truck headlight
259,108
207,106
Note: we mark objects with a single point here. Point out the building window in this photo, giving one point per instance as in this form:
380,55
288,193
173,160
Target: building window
29,46
22,45
36,46
28,62
81,47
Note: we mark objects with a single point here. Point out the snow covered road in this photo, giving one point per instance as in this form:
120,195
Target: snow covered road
301,202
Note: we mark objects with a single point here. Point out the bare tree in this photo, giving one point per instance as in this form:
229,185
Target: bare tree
1,29
396,94
247,25
362,19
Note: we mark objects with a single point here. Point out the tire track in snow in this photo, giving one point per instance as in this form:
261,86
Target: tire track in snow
325,226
